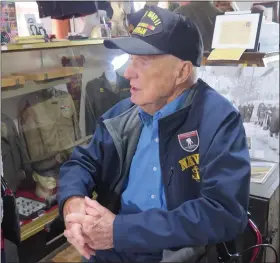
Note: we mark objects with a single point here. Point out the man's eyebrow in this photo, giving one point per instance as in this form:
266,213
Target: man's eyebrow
142,58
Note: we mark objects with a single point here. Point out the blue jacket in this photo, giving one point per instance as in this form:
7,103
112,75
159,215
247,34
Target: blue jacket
206,181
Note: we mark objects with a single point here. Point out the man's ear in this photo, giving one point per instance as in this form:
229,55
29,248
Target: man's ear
185,71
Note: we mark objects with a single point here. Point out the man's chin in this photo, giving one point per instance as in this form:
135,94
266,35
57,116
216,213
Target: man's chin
134,99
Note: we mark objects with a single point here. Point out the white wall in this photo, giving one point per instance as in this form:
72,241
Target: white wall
243,6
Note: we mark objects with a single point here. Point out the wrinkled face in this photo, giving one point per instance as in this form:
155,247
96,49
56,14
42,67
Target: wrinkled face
152,78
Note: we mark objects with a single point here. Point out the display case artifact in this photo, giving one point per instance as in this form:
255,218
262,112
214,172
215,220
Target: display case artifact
51,99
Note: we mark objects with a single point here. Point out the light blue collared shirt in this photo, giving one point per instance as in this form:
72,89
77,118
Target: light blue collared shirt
144,188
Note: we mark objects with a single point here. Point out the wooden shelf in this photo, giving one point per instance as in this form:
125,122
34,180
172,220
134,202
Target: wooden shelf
257,59
49,45
250,59
37,225
10,81
30,87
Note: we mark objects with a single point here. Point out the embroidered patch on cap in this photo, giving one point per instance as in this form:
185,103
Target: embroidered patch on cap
149,25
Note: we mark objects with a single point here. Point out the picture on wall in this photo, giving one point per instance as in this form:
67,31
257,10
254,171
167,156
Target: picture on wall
254,91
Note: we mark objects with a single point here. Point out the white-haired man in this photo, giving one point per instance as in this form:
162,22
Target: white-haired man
160,198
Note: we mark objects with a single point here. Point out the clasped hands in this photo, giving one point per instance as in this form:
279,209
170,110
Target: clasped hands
89,226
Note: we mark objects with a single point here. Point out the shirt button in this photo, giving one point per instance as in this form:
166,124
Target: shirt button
156,140
154,168
153,196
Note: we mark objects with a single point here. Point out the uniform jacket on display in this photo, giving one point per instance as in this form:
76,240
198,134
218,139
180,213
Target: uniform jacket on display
48,124
70,9
74,87
118,20
205,169
101,96
12,153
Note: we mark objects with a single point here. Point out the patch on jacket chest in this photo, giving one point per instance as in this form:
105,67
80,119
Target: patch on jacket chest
191,162
189,141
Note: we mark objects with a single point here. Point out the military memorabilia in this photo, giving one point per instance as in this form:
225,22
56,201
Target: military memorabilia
74,87
45,185
28,208
246,88
102,94
34,28
261,171
12,153
119,27
48,123
237,31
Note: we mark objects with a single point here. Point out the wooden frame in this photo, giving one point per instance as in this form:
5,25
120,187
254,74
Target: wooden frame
275,9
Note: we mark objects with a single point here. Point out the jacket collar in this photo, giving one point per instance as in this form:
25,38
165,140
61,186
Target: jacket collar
130,120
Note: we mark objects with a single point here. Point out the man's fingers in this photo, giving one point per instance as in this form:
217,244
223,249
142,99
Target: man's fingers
75,218
68,234
95,205
90,250
76,230
92,212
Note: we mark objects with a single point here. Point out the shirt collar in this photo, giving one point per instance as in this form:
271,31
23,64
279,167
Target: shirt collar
168,109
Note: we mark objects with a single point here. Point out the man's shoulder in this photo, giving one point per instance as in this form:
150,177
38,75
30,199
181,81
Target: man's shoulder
216,102
118,109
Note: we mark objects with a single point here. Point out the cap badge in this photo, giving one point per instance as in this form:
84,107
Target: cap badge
150,24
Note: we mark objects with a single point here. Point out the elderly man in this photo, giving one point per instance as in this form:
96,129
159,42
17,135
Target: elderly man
170,165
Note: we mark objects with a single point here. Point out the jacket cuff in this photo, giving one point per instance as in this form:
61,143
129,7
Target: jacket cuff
127,238
120,230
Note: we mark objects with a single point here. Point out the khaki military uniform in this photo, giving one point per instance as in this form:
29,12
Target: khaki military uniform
119,27
48,124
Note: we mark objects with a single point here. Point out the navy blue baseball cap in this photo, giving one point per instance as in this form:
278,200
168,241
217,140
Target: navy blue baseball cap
159,32
134,18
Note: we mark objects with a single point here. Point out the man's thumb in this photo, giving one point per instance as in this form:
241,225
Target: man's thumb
95,205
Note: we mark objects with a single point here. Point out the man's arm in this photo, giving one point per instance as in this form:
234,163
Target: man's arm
218,215
77,176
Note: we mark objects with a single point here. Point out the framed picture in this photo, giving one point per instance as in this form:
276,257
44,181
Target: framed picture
254,92
237,31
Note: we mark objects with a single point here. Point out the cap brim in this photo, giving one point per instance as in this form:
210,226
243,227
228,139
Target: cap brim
132,46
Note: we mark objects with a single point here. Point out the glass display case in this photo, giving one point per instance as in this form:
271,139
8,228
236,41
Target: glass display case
53,94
